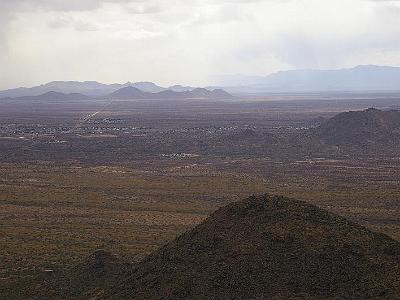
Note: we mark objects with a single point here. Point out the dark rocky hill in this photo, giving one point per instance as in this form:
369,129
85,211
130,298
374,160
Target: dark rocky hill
368,127
265,247
269,247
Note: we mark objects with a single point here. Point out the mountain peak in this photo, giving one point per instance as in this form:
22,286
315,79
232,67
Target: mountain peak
128,92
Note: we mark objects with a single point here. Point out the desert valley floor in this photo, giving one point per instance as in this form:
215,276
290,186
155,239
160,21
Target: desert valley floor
128,176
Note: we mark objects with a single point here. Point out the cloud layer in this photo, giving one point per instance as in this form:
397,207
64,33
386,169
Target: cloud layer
189,42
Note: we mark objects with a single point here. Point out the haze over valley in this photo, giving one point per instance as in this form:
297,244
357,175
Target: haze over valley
357,79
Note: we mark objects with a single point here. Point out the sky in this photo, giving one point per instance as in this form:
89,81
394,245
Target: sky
192,42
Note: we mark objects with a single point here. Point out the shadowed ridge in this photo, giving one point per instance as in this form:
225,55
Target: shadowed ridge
268,247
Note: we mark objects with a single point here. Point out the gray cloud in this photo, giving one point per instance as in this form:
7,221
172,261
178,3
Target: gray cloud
56,5
190,42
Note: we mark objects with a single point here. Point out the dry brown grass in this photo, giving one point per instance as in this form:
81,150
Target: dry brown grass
52,216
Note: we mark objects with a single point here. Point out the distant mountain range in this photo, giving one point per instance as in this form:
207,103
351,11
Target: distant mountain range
135,93
89,88
131,93
360,78
49,96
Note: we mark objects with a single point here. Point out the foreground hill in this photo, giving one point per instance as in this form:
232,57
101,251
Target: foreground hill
269,247
371,126
265,247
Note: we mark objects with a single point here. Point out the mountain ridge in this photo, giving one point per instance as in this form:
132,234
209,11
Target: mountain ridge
365,78
131,93
90,88
197,93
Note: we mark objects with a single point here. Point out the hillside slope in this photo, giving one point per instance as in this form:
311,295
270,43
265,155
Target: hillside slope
268,247
371,126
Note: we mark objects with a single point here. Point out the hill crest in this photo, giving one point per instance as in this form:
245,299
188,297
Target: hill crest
268,247
369,127
264,247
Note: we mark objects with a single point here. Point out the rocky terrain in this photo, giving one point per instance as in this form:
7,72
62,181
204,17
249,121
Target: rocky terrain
129,176
264,247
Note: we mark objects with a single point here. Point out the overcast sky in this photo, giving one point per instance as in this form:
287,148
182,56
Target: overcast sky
189,41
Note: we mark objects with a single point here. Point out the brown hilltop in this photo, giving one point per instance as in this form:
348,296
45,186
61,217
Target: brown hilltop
268,247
